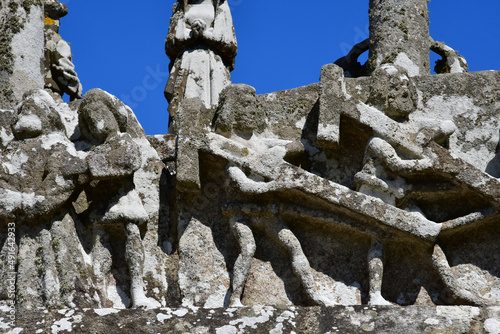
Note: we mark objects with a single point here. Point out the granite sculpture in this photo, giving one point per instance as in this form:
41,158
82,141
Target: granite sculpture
321,208
201,45
278,172
60,75
399,34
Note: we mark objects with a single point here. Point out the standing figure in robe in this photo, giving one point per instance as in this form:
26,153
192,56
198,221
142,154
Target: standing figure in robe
201,45
59,70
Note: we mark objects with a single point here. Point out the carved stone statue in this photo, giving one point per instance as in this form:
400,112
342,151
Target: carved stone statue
114,201
45,165
381,190
201,45
60,75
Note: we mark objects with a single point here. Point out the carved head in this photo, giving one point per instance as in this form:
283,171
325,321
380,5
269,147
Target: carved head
96,118
393,91
36,115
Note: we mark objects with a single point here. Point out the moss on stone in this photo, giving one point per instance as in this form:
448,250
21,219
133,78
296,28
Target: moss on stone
403,26
401,11
371,63
39,262
390,59
7,95
13,7
27,4
11,26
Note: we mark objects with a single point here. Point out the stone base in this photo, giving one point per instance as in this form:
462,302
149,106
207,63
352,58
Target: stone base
260,319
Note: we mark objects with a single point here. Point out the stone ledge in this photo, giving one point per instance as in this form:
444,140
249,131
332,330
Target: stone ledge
260,319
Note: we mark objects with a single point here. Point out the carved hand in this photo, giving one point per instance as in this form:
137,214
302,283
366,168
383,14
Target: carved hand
198,27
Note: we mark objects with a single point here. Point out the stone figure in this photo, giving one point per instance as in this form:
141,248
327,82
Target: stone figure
40,165
363,190
201,45
266,163
60,75
457,281
393,92
113,158
39,174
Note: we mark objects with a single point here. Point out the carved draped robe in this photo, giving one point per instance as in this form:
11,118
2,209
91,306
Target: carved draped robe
200,66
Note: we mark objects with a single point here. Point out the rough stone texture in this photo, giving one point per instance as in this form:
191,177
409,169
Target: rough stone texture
21,50
399,34
164,145
256,171
378,195
452,62
349,63
59,70
263,319
72,188
201,45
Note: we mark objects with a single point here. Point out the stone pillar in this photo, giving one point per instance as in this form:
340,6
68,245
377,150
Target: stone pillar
21,49
399,34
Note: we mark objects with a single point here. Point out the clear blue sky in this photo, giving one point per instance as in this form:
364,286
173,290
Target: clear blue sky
118,46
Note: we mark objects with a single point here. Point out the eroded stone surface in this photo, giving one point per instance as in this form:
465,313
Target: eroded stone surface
201,45
21,48
74,196
403,145
263,319
59,70
399,32
357,191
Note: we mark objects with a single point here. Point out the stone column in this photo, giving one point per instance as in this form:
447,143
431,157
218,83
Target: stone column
399,34
21,49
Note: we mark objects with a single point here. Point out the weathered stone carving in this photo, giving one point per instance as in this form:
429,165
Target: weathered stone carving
401,187
60,75
201,45
399,33
377,190
40,166
349,63
451,62
77,180
111,194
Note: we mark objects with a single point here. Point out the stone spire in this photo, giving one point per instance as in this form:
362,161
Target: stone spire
399,34
21,49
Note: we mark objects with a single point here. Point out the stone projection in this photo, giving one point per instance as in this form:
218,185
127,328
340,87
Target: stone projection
366,202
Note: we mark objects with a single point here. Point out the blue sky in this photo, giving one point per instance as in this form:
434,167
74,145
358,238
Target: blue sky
119,46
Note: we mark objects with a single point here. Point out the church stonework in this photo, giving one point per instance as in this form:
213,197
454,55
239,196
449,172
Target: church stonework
367,202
